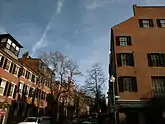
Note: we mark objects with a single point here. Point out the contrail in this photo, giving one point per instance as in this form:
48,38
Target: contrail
40,43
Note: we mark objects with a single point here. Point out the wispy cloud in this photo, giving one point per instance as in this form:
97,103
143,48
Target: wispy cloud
59,6
93,4
41,43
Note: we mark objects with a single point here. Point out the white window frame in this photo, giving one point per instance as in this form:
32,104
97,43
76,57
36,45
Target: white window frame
21,82
30,75
162,22
28,86
18,67
13,90
4,86
9,65
24,73
146,23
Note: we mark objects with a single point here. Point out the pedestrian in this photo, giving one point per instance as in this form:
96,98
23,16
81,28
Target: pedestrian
105,119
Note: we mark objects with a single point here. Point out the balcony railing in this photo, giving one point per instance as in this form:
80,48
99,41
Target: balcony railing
155,93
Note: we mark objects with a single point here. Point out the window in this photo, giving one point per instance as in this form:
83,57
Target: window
7,64
27,74
20,87
30,76
27,90
23,72
8,43
123,40
161,23
11,90
16,70
146,23
156,59
2,86
33,78
158,83
127,83
125,59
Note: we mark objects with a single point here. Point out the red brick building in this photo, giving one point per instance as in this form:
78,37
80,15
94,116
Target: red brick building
24,83
137,61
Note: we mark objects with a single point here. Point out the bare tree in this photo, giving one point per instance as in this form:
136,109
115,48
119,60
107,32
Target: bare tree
64,68
94,81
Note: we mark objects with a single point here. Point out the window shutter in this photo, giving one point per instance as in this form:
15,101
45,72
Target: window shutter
23,90
6,88
8,91
140,23
15,91
134,84
129,40
120,84
117,41
11,67
4,66
131,60
18,87
1,62
149,59
151,23
163,59
158,23
119,59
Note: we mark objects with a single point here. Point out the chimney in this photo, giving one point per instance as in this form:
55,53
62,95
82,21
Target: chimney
26,55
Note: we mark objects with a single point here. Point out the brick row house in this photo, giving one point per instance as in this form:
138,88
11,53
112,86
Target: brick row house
24,85
137,61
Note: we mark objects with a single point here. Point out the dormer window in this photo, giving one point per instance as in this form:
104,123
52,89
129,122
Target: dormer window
8,44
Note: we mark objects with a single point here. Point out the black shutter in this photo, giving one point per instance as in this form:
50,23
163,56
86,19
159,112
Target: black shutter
18,87
129,40
15,91
14,69
134,84
158,23
1,62
140,23
23,90
8,91
131,59
163,59
4,66
151,23
149,59
0,81
6,88
117,40
11,67
120,84
118,55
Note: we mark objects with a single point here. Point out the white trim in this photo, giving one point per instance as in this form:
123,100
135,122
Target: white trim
124,100
17,70
9,65
13,90
1,54
3,78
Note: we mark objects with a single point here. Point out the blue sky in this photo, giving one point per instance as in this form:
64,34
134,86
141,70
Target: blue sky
78,28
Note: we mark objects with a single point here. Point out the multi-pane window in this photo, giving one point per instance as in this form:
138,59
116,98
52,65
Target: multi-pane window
27,90
12,47
8,43
161,23
33,78
7,64
2,86
158,83
127,83
125,59
23,72
30,76
123,40
146,23
27,74
20,87
156,59
11,90
16,70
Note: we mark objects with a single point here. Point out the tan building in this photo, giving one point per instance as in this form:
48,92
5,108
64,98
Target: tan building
22,88
137,61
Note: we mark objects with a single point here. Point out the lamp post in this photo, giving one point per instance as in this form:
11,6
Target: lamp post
112,80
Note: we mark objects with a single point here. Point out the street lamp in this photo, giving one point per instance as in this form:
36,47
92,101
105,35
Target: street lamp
112,80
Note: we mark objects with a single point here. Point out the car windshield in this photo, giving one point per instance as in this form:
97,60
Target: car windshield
30,120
